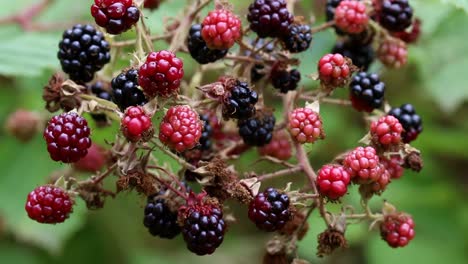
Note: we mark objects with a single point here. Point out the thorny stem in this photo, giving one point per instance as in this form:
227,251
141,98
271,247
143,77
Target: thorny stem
174,156
279,173
323,26
169,186
98,178
132,42
175,178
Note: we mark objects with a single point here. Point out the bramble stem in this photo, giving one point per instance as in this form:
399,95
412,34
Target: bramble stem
167,185
174,156
102,176
323,26
279,173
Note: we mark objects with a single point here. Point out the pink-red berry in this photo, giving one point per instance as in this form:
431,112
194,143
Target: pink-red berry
397,229
279,147
49,205
393,53
67,137
161,74
386,131
23,124
221,28
93,161
181,128
363,165
334,70
351,16
136,124
393,166
305,125
333,181
116,16
379,185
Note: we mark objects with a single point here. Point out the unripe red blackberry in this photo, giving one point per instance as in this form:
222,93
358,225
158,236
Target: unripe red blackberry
136,124
180,128
333,181
83,51
393,53
221,28
269,210
284,80
161,74
393,166
125,90
203,225
305,125
257,130
397,229
366,91
361,55
116,16
412,35
239,101
279,147
298,39
93,161
67,137
269,18
351,16
379,185
198,48
395,15
362,165
410,120
334,70
386,131
49,205
23,124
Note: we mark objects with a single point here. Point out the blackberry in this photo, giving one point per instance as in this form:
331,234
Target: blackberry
410,120
99,90
298,39
198,48
366,91
285,81
240,101
160,219
83,51
203,227
269,18
330,13
396,15
257,130
361,55
270,210
205,142
125,90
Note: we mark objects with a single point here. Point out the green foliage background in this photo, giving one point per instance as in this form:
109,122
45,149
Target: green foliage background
434,82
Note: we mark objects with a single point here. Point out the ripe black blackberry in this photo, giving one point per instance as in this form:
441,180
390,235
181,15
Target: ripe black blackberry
99,90
410,120
205,142
285,81
298,39
198,48
395,15
269,210
366,91
203,226
240,101
125,90
160,219
257,130
361,55
83,51
269,18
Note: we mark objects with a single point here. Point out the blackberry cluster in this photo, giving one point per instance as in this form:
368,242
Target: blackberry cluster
270,210
198,48
269,18
286,81
396,15
361,55
203,229
410,120
125,90
298,39
159,218
99,90
240,102
366,91
83,51
257,130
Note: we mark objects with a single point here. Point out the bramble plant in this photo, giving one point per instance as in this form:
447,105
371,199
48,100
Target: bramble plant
205,126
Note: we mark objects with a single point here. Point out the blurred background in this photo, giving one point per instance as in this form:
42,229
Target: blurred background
433,81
